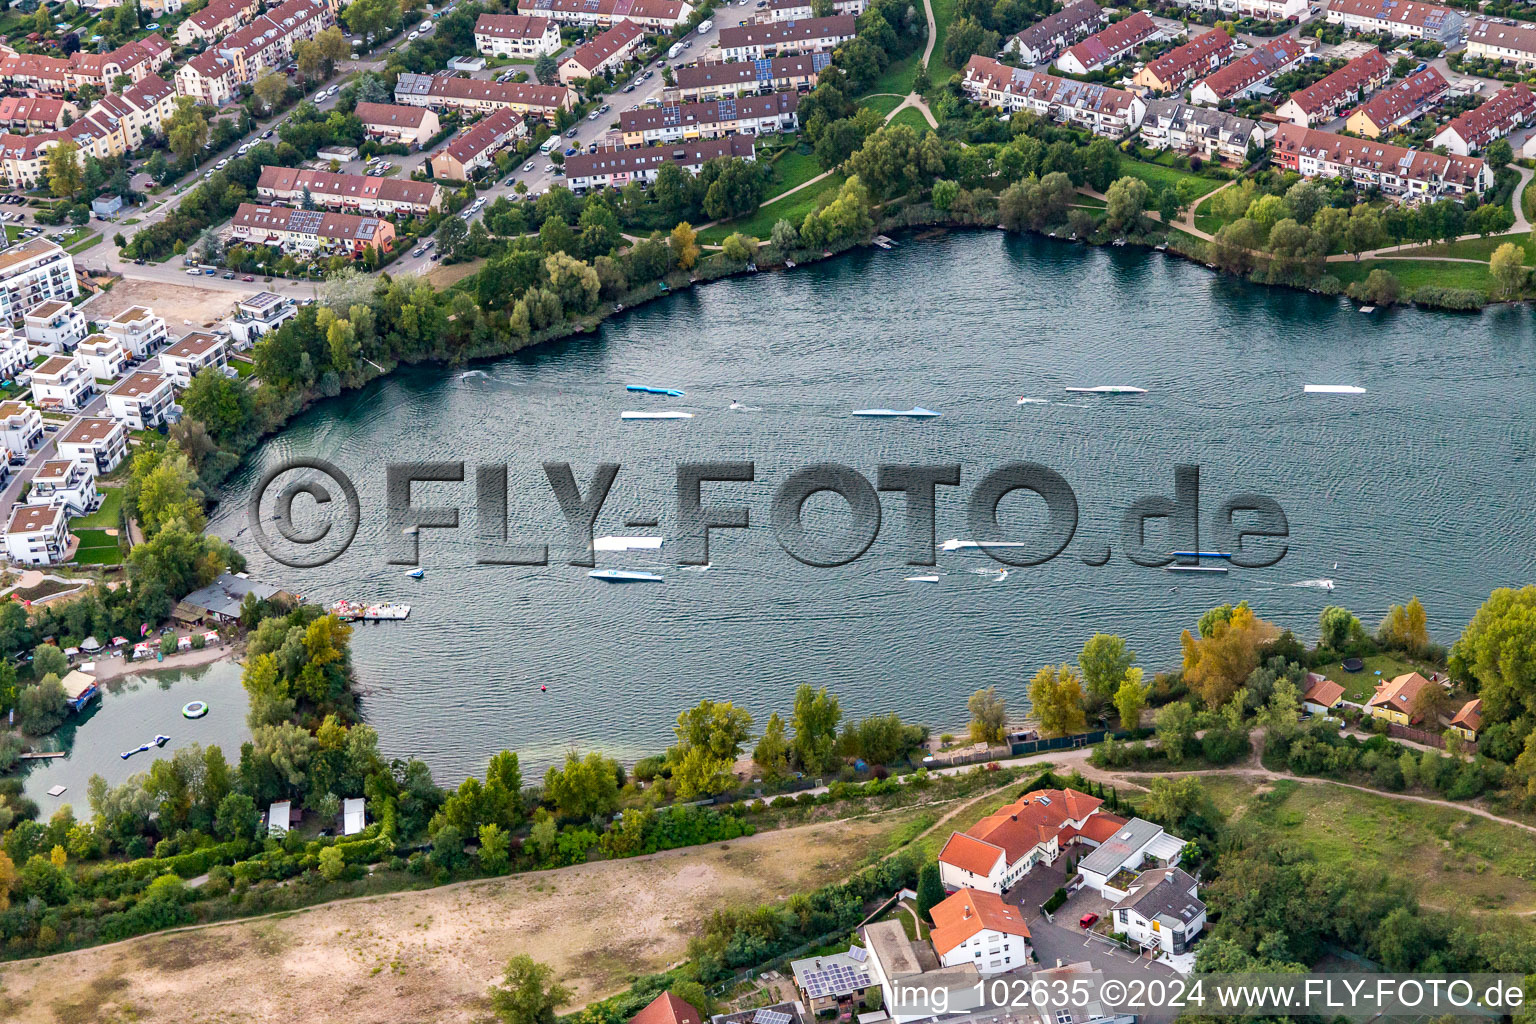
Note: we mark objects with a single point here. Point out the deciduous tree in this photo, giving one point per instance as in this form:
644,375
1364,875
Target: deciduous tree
1057,696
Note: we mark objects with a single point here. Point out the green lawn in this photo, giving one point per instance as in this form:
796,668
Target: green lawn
82,245
1359,686
791,208
243,367
1478,248
883,104
1451,859
793,166
1412,274
1161,177
96,548
913,118
105,517
943,14
1090,202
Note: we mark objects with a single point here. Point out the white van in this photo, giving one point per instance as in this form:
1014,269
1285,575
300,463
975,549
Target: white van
705,26
549,144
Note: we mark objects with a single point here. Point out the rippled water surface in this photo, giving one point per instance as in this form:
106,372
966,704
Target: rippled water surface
1423,485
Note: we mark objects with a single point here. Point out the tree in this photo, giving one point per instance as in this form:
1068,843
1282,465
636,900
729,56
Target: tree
1173,800
527,994
815,719
1507,267
270,89
1101,164
682,242
738,249
1337,627
989,716
1495,650
944,193
1215,666
1175,725
1103,662
1267,211
186,130
42,708
1130,699
968,36
1057,695
785,239
237,817
1305,199
546,70
47,660
372,18
1380,288
332,863
494,846
709,739
65,177
1406,626
1498,153
771,755
930,890
584,786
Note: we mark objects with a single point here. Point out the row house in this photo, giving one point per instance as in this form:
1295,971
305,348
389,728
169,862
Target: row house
104,358
256,315
1244,77
1099,108
654,14
445,91
1402,18
54,326
1259,10
1399,104
477,146
311,231
65,485
799,10
63,383
1502,39
1188,128
1412,174
21,427
1110,45
411,127
95,441
1509,108
516,35
36,535
142,400
994,854
349,193
191,355
717,81
749,115
1183,64
249,52
616,168
15,355
60,74
24,115
813,35
609,50
1046,37
217,20
32,272
139,331
1323,100
139,111
119,123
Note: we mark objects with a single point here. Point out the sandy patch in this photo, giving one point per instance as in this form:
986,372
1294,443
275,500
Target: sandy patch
429,956
177,303
111,668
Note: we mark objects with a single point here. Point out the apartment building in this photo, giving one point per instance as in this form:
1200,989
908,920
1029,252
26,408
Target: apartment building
191,355
21,427
140,332
698,82
1403,18
411,127
256,315
1045,38
654,14
142,400
1099,108
32,272
15,354
476,146
616,168
54,326
1322,101
104,358
311,231
445,91
1245,75
1399,104
1188,128
349,193
521,36
118,123
36,535
1109,45
1502,39
1183,64
67,74
65,485
780,38
607,52
98,442
26,115
207,78
681,122
1412,174
1259,10
214,22
1509,108
799,10
62,383
247,53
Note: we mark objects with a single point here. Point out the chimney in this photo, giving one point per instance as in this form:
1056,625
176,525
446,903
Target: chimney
967,912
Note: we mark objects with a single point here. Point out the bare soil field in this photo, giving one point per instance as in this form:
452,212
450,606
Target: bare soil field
414,957
176,303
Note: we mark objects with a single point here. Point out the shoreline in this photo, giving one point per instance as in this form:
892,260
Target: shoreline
116,668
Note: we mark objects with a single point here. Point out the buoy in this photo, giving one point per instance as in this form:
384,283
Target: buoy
543,689
194,709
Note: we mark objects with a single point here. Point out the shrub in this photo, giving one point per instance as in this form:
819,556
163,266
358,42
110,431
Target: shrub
1051,905
1439,297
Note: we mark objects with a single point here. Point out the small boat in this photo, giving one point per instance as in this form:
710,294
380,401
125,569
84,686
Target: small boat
473,374
1109,389
1314,584
626,543
884,243
1332,389
789,264
921,579
1195,568
417,574
1026,400
957,545
1202,554
624,576
668,414
917,412
411,531
648,390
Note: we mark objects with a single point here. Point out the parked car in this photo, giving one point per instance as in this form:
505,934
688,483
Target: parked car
594,115
418,253
221,164
1088,920
229,276
247,277
527,167
571,134
572,151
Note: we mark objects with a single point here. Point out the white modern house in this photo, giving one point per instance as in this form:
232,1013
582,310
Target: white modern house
62,382
34,271
914,985
257,314
140,332
36,535
54,326
141,401
102,357
1162,911
197,351
979,929
1137,845
67,485
21,427
14,353
98,442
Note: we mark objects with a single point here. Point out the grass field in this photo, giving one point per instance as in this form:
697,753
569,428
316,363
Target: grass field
1359,686
1412,274
1160,177
943,14
791,208
104,518
792,167
913,118
96,548
883,104
1452,860
1478,248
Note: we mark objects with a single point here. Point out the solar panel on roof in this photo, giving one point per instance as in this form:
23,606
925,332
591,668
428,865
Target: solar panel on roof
857,953
770,1017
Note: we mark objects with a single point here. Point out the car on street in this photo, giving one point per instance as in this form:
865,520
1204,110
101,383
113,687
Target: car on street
527,167
1088,920
267,134
418,253
571,134
229,277
572,151
425,26
594,115
247,277
194,272
413,37
604,109
221,164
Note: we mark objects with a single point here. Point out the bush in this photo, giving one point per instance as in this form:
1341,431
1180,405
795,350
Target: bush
1438,297
1053,904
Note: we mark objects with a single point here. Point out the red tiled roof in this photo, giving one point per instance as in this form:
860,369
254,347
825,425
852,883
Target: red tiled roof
968,912
968,853
667,1009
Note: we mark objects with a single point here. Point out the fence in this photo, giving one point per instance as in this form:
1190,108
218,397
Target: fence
1082,739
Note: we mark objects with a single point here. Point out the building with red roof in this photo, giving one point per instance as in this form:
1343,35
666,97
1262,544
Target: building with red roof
667,1009
976,927
997,851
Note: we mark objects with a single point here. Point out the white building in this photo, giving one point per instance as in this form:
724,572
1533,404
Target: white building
516,35
32,272
1000,849
1502,39
1099,108
14,353
67,485
141,401
197,351
21,427
62,382
97,442
1403,18
1162,911
54,326
1174,124
36,535
257,314
914,986
1137,845
977,928
140,331
103,357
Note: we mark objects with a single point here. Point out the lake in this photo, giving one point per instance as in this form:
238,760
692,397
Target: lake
1422,485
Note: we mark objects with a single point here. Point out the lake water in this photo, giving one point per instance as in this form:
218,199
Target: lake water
1423,485
133,710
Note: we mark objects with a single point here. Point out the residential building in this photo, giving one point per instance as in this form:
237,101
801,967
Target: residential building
139,111
1404,18
1259,10
141,332
799,10
257,314
1502,39
750,115
262,45
65,484
997,851
668,1009
15,354
835,979
1323,100
1509,108
1406,173
1246,76
223,599
311,231
36,535
60,74
1183,64
34,271
975,927
780,38
654,14
1137,844
448,92
1468,720
54,326
191,355
214,22
913,984
615,168
1213,134
103,358
477,146
21,427
1046,37
608,51
208,78
61,382
1109,45
411,127
25,115
1162,913
1396,701
698,82
1099,108
1398,104
119,123
98,442
141,401
349,193
1322,694
516,35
